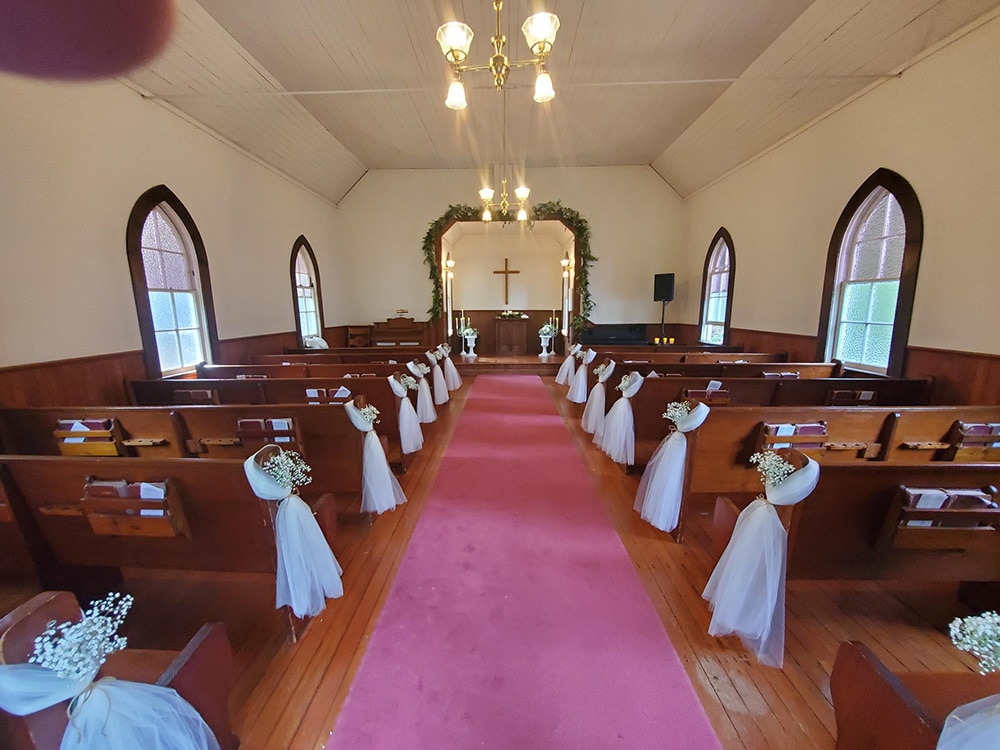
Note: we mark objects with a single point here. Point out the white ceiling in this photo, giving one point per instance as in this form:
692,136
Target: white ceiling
692,87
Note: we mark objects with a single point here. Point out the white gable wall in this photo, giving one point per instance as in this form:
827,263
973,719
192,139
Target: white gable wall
73,161
939,127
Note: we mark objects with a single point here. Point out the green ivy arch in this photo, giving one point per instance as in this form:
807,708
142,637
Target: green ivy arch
552,210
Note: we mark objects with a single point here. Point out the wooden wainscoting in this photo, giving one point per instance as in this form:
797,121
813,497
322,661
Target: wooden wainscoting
959,377
800,348
237,351
82,381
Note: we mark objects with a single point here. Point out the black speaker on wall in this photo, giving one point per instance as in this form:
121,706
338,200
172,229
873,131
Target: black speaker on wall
663,287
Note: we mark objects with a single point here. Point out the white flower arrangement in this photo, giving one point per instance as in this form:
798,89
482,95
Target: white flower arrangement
468,331
547,329
76,650
288,469
446,348
773,468
677,410
370,413
422,368
599,370
581,355
409,382
623,386
438,356
980,636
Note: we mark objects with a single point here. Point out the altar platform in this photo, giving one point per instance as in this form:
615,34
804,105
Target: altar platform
518,364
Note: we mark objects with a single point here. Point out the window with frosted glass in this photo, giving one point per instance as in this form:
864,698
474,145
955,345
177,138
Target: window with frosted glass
870,266
713,326
305,296
174,299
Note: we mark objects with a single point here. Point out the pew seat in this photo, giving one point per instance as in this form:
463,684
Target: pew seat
202,673
876,709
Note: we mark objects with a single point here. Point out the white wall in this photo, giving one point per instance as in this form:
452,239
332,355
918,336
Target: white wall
73,161
535,256
939,127
635,222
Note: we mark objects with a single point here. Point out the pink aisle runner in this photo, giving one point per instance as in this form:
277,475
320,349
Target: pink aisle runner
517,620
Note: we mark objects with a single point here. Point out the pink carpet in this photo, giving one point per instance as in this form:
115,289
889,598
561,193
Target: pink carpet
517,619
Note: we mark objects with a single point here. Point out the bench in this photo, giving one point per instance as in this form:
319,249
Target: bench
83,522
323,435
877,709
305,391
840,530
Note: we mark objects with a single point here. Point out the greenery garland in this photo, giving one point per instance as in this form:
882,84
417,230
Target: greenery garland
552,210
579,226
460,212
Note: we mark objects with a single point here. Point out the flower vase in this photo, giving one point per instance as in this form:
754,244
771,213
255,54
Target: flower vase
470,344
546,341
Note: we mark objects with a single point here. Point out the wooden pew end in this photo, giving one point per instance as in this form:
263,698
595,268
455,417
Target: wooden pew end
723,523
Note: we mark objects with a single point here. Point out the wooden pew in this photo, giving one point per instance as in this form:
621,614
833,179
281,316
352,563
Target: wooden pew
876,708
307,391
321,370
211,519
841,531
322,434
640,356
767,370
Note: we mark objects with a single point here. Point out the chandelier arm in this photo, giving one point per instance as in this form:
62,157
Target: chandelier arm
526,63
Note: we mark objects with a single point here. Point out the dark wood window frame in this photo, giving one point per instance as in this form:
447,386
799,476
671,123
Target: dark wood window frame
301,243
722,234
133,249
913,216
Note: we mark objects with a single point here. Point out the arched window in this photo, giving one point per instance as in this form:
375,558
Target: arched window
875,253
305,291
171,285
716,299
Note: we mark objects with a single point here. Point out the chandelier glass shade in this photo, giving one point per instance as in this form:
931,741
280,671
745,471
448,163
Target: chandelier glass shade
539,31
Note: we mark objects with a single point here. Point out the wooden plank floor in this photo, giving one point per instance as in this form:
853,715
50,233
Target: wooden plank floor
288,695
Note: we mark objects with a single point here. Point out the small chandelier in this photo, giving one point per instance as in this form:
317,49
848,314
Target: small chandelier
503,206
539,30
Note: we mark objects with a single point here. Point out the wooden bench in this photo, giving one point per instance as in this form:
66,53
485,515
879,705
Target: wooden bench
209,519
879,709
321,370
650,356
323,435
840,530
306,391
781,371
342,356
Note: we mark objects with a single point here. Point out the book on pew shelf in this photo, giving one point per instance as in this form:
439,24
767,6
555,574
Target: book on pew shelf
85,425
341,392
282,425
106,488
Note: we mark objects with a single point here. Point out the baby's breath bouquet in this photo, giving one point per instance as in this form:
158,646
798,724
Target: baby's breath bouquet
547,329
980,636
677,410
288,469
437,354
422,368
773,468
599,370
468,331
409,382
370,413
581,355
446,348
623,386
76,650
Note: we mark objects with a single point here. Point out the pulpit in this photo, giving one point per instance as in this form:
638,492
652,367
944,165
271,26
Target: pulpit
512,336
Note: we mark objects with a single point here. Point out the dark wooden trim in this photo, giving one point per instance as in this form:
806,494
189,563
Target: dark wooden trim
301,243
913,216
133,249
722,234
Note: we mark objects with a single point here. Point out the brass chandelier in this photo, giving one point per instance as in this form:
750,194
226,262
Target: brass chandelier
539,30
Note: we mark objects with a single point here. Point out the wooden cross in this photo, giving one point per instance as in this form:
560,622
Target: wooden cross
506,281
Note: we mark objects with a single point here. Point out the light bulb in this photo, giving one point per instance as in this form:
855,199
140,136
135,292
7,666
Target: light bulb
487,216
522,193
544,92
456,96
522,215
455,39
